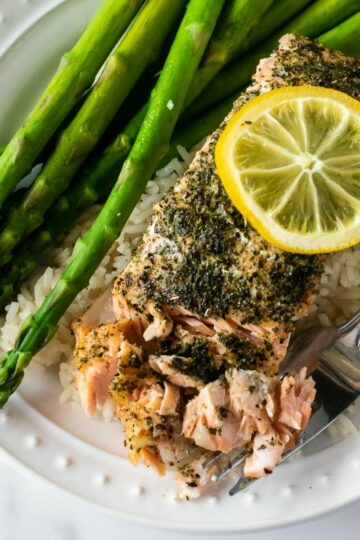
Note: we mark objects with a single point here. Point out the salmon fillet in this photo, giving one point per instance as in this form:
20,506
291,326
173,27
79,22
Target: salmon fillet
201,265
204,311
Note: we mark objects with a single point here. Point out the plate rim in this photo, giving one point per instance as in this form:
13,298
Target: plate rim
31,474
25,469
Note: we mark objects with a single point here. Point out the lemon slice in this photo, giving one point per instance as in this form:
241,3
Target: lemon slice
290,162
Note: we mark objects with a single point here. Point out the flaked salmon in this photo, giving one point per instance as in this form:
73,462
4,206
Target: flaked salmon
202,315
248,408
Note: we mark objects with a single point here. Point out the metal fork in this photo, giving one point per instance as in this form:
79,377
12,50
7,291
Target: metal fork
332,356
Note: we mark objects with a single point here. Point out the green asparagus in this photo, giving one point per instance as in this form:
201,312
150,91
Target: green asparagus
123,68
230,40
89,124
227,37
345,37
92,186
76,73
113,156
280,12
150,147
319,17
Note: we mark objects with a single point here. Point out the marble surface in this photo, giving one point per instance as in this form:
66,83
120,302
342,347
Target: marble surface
31,508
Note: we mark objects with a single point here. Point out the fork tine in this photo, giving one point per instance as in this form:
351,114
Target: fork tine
210,460
317,420
241,484
244,482
238,460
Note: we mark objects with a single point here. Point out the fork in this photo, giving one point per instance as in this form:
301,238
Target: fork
331,355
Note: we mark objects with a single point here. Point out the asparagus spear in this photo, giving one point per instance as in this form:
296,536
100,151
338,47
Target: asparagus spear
317,18
77,70
88,190
230,40
123,68
321,16
89,124
280,12
232,19
150,146
345,37
226,42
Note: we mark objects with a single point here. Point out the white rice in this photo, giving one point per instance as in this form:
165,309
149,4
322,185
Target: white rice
338,298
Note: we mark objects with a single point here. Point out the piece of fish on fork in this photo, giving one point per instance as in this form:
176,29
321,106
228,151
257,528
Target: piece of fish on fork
331,355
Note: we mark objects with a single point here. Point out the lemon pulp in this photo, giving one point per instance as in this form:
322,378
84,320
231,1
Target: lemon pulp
290,162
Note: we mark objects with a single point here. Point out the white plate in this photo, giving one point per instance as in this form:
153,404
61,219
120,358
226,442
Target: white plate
86,457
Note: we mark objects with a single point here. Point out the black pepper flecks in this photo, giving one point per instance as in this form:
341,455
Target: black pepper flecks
212,262
193,359
247,355
201,254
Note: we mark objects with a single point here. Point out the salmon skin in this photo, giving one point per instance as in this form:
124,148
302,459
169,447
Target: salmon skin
202,314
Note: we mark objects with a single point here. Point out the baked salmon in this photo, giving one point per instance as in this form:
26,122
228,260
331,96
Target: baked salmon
202,314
